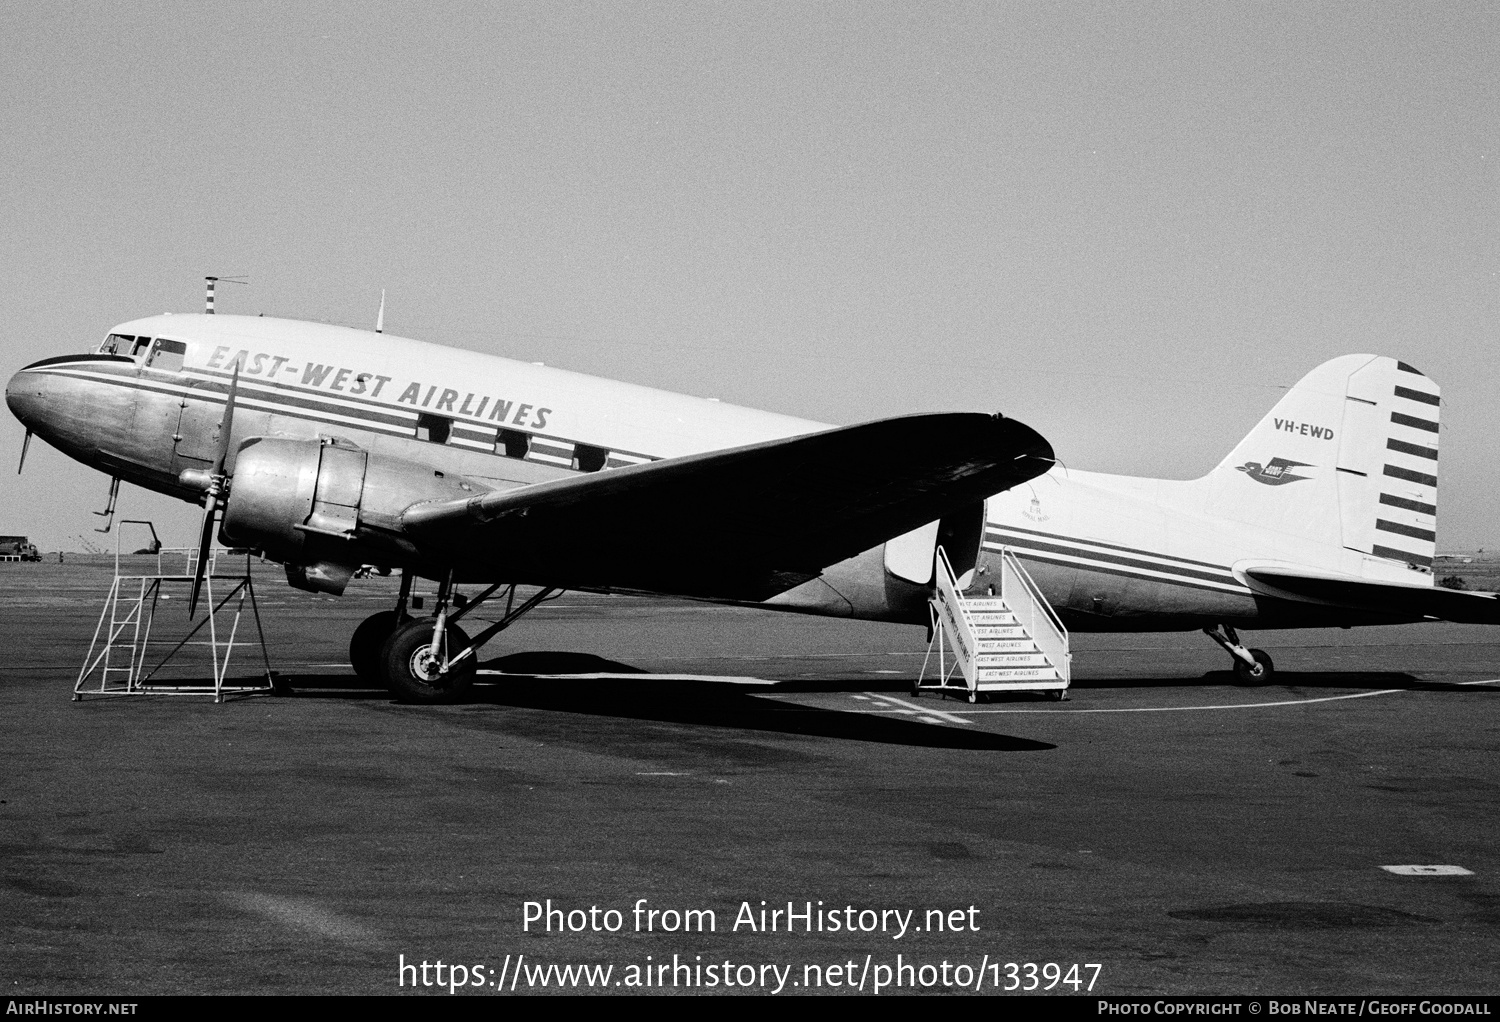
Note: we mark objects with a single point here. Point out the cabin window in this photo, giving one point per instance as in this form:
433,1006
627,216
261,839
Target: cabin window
513,443
139,349
589,459
167,356
435,429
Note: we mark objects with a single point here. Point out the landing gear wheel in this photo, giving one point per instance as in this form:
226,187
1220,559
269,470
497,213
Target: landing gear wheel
1260,674
413,673
368,640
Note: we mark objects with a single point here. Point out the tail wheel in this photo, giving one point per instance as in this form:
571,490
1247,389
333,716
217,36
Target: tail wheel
413,670
367,642
1260,674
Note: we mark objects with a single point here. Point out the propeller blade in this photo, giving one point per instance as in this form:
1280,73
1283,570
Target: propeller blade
218,483
227,422
205,541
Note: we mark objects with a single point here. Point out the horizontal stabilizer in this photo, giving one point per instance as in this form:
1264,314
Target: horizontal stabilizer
1412,602
745,523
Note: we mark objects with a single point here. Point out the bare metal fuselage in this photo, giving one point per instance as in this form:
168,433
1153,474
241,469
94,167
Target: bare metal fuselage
1110,554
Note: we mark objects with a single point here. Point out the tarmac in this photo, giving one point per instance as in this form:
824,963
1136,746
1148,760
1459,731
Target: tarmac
1164,830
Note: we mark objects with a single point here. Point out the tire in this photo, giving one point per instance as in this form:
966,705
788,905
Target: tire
1260,674
407,662
367,642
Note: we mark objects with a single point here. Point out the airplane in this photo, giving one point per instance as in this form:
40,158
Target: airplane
328,448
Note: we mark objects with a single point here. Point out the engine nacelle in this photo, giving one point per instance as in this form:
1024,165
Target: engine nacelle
324,507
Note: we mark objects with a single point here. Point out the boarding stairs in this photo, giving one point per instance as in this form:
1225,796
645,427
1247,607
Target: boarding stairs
1005,641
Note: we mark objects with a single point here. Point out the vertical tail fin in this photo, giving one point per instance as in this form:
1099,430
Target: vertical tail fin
1345,466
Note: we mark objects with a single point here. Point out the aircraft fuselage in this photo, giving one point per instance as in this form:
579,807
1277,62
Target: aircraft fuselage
1110,553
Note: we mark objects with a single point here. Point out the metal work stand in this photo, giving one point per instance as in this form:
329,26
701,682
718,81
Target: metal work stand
118,655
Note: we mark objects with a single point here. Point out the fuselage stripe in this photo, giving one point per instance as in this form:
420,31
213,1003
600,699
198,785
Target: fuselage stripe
370,416
214,394
1053,537
1222,575
1067,562
472,424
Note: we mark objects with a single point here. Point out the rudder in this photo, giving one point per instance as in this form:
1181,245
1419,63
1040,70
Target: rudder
1388,468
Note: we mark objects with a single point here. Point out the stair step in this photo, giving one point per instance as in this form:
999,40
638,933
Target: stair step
1024,645
1013,674
985,661
999,632
983,603
989,617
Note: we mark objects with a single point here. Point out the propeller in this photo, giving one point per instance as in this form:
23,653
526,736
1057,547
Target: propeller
217,487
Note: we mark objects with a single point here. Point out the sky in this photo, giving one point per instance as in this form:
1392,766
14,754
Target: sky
1131,226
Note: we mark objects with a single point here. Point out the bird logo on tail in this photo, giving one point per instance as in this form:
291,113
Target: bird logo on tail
1277,472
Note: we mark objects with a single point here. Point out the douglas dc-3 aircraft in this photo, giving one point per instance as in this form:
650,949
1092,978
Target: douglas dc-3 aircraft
327,448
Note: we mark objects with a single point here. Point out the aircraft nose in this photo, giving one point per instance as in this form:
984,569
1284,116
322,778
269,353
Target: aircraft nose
22,397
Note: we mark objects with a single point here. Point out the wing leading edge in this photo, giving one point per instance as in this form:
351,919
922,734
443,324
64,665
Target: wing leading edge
743,524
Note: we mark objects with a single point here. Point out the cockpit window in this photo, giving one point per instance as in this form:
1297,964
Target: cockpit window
125,344
115,344
167,356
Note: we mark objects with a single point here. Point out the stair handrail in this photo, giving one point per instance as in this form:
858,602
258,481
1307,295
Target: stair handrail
963,634
1051,640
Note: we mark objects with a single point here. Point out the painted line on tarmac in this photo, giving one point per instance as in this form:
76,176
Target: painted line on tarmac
1221,706
300,914
902,706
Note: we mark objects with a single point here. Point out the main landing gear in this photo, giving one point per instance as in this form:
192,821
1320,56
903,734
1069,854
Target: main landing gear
368,639
1251,666
431,660
371,635
419,663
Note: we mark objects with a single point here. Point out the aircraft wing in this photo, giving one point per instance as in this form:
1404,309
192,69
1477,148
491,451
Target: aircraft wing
745,523
1382,597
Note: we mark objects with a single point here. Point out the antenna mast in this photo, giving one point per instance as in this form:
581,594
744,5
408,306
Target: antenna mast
208,299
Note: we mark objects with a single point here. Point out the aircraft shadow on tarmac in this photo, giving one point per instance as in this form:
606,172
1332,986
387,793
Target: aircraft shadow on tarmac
531,681
559,681
553,663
